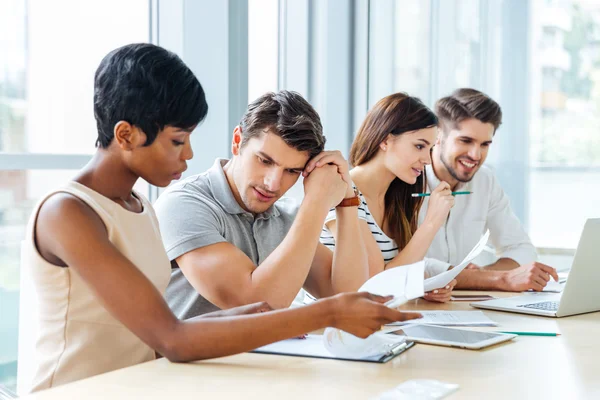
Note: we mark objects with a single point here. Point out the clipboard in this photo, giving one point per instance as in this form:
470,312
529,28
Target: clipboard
312,347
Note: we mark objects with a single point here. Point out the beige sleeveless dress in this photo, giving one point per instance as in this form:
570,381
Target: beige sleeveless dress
77,337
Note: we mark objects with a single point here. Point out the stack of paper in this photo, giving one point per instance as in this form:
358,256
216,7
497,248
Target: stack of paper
315,346
404,283
450,318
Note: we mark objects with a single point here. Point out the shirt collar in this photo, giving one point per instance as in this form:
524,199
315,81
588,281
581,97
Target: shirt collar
224,196
433,181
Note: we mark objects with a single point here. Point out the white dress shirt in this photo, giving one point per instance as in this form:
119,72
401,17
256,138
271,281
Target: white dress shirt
488,207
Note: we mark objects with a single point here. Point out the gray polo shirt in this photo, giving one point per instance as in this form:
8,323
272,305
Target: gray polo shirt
200,211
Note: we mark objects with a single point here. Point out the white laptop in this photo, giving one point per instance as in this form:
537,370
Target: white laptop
580,294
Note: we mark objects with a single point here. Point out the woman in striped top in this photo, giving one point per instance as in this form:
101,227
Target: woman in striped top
389,155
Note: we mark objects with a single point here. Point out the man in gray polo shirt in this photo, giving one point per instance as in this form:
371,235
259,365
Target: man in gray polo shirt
233,240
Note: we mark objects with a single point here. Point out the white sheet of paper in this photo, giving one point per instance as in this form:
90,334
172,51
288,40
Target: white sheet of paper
404,283
344,345
450,318
424,389
315,346
441,280
553,286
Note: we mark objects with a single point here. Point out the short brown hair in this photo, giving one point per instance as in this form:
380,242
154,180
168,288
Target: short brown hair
465,104
288,115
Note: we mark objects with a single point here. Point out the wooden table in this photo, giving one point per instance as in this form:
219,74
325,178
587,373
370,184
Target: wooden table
564,367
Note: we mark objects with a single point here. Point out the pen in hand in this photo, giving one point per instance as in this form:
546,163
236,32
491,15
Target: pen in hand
429,194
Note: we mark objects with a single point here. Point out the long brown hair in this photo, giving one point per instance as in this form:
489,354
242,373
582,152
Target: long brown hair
395,114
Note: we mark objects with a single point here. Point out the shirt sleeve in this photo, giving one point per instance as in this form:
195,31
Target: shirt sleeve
331,216
187,222
506,232
435,267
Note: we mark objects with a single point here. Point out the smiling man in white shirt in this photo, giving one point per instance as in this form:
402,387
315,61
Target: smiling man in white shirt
468,122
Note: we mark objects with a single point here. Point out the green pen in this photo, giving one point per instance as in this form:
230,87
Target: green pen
532,333
429,194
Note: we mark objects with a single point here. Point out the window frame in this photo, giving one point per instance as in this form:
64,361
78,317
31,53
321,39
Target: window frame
10,161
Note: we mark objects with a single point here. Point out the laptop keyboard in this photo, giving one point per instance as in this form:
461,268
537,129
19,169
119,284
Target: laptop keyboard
544,305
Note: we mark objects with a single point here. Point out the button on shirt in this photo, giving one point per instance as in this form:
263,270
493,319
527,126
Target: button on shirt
488,207
200,211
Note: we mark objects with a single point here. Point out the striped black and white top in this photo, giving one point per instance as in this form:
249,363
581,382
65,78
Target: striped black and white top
388,246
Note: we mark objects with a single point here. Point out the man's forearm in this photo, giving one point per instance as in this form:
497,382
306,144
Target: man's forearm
503,264
480,279
282,274
350,267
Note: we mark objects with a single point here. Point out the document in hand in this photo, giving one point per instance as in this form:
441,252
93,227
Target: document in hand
404,283
441,280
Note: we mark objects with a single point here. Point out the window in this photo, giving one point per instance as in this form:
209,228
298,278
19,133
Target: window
468,48
424,48
430,48
399,59
565,146
47,124
263,47
12,75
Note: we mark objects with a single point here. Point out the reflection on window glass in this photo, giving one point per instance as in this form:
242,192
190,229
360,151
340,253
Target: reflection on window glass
467,43
263,27
46,81
564,140
411,47
399,48
12,75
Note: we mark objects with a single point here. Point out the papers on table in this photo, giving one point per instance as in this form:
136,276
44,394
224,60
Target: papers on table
344,345
557,287
554,286
441,280
404,283
450,318
424,389
471,297
315,346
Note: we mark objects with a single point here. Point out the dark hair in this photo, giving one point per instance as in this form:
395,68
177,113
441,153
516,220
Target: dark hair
395,114
288,115
150,88
465,104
